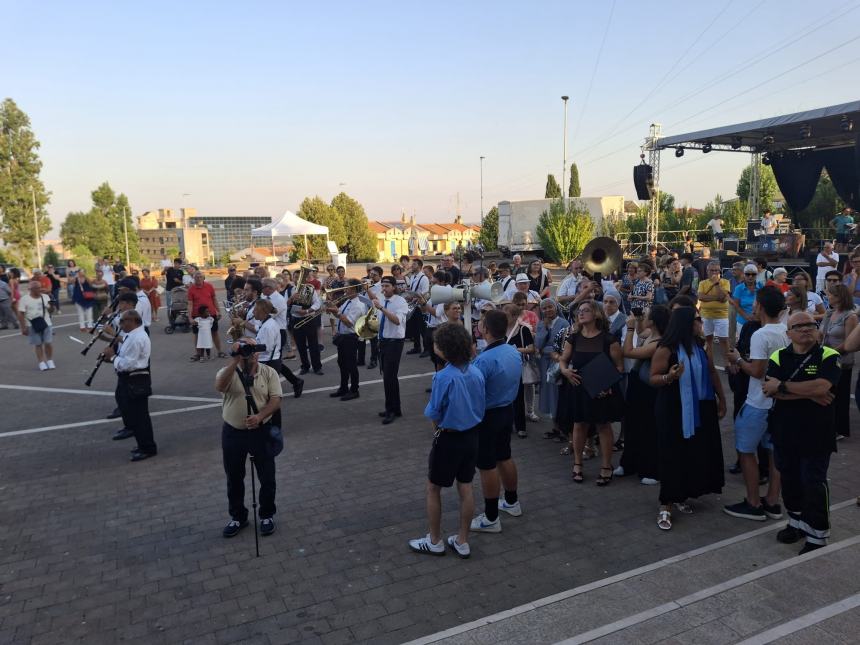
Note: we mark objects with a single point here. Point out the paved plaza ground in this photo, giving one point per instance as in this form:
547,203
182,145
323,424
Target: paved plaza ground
95,549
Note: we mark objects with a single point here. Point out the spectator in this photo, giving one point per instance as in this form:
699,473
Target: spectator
84,298
795,301
521,337
743,296
55,286
837,325
642,294
228,283
203,293
7,316
102,291
149,286
826,260
172,279
71,273
814,302
852,277
843,222
701,264
34,316
763,274
539,278
550,325
714,308
522,284
780,279
689,277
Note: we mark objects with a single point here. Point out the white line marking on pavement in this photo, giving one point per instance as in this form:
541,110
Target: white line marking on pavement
18,333
82,424
60,390
379,380
605,582
690,599
810,619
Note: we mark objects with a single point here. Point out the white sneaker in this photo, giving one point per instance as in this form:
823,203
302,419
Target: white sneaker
482,525
619,471
51,365
460,549
511,509
43,366
425,545
648,481
533,417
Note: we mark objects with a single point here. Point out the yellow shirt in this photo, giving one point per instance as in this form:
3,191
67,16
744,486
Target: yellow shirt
267,384
714,309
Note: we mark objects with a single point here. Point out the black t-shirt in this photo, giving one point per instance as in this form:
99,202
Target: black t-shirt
740,382
173,277
455,274
688,274
522,338
55,281
701,265
802,424
537,284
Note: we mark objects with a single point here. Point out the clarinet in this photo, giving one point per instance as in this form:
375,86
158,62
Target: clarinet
96,337
101,359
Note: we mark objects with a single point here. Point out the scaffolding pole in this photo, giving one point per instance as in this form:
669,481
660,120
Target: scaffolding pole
653,224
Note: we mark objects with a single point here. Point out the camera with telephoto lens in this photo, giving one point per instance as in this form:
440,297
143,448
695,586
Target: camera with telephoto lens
247,350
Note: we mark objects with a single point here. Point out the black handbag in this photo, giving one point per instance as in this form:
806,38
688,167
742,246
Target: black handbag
39,323
274,438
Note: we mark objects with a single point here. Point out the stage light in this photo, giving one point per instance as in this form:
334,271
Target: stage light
765,159
736,143
846,124
767,139
679,152
706,148
805,131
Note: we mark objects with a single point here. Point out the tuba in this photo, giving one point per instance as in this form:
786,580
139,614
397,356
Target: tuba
304,295
601,256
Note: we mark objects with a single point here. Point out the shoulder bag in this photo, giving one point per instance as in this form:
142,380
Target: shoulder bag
39,323
274,438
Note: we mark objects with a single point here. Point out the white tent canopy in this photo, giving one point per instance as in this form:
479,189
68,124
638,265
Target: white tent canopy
289,225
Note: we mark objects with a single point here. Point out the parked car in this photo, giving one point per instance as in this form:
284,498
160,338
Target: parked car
25,275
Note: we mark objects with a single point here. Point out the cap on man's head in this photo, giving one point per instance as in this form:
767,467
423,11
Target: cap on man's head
780,270
751,268
128,283
522,277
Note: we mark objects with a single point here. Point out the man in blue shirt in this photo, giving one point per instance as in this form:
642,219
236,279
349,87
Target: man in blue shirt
456,408
844,225
501,365
743,296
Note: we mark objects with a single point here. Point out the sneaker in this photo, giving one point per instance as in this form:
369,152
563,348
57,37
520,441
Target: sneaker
746,511
511,509
736,469
482,525
619,471
425,545
789,535
648,481
773,511
840,437
43,366
267,526
460,549
809,546
533,417
51,365
233,527
522,434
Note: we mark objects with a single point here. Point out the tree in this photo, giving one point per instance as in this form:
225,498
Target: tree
767,186
3,257
172,252
84,258
553,190
20,184
613,225
735,215
91,229
489,236
101,228
51,256
667,206
224,260
314,209
360,243
564,232
574,190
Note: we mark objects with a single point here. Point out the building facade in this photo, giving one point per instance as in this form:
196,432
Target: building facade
407,237
163,234
228,234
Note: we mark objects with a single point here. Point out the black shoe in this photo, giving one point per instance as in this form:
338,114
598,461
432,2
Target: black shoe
746,511
116,414
386,413
267,526
414,350
773,511
122,433
371,365
736,469
809,546
349,396
304,371
319,372
360,364
337,393
321,348
233,527
789,535
137,455
298,387
389,418
428,390
424,354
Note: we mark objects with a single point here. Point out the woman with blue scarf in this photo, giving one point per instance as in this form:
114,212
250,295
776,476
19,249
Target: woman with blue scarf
551,323
690,404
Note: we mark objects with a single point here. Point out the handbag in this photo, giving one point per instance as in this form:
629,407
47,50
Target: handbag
89,295
39,323
530,373
274,436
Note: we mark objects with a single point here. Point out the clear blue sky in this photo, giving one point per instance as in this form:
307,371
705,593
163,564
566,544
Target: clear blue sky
250,107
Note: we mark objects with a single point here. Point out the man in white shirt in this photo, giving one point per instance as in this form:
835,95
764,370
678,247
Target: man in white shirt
307,336
521,283
134,386
280,313
108,275
419,284
768,223
716,226
34,305
391,311
570,285
751,421
346,340
373,291
827,260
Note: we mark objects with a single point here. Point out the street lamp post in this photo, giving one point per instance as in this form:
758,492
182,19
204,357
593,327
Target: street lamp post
125,233
564,147
482,192
36,226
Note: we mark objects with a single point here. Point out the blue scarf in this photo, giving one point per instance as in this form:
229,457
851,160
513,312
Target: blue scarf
695,385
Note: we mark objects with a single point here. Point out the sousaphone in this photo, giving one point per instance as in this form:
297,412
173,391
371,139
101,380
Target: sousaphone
601,257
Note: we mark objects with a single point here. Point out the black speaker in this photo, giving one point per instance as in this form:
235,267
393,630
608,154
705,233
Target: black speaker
643,179
732,245
752,226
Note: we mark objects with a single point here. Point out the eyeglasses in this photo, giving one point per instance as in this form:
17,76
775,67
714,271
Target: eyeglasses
751,274
831,279
809,326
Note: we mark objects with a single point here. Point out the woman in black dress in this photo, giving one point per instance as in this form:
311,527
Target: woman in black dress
575,405
690,404
520,336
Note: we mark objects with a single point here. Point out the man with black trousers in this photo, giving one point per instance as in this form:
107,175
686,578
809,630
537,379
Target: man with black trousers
419,284
374,290
307,342
391,312
346,340
172,279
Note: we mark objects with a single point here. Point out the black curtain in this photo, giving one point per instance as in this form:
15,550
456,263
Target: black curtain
797,176
843,166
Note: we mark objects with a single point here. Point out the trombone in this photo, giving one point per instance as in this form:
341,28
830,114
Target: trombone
337,302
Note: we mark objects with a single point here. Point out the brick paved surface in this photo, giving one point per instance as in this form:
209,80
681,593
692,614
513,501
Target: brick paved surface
96,549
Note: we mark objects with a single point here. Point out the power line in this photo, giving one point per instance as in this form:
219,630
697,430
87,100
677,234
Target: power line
594,72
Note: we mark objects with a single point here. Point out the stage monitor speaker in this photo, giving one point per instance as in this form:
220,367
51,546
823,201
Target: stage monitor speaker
643,180
752,226
732,245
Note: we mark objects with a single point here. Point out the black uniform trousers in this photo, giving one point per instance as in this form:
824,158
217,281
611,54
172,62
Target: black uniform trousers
307,343
390,352
415,329
347,361
275,365
374,350
135,415
292,379
805,490
428,346
236,445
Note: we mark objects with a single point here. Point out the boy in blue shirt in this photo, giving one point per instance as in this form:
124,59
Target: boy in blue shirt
456,408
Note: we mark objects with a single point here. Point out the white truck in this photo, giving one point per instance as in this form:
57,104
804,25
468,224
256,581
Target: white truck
518,220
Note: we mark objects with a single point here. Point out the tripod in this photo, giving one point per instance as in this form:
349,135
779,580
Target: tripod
252,409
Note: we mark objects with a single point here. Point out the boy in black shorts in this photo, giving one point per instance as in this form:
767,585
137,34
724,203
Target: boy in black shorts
456,408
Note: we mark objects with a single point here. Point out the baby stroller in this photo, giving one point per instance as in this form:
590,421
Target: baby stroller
178,314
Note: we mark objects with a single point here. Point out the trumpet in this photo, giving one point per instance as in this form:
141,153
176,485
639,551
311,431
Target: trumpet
364,284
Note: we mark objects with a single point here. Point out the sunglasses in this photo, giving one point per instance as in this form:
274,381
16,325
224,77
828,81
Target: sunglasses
751,274
804,326
832,279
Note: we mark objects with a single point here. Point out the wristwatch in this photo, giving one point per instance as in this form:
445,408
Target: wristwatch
782,389
738,360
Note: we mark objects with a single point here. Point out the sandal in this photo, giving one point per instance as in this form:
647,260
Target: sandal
686,509
664,520
603,480
566,451
577,477
550,434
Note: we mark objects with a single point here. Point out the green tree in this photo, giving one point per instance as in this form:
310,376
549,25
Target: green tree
3,257
735,215
574,190
767,186
20,183
51,256
91,229
489,235
613,225
314,209
667,207
553,190
116,209
84,258
172,252
564,232
224,260
360,243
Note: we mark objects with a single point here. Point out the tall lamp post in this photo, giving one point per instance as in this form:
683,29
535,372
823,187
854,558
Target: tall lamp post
482,192
564,148
36,226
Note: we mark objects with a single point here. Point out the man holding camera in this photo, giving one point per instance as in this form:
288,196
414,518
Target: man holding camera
252,394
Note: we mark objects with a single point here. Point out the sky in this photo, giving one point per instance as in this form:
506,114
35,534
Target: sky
247,108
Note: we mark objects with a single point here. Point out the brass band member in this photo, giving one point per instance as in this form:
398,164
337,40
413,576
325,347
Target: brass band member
346,340
391,313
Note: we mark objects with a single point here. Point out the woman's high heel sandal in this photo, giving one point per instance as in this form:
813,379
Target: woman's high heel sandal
576,475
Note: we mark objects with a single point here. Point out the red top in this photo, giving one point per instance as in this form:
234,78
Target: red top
202,295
